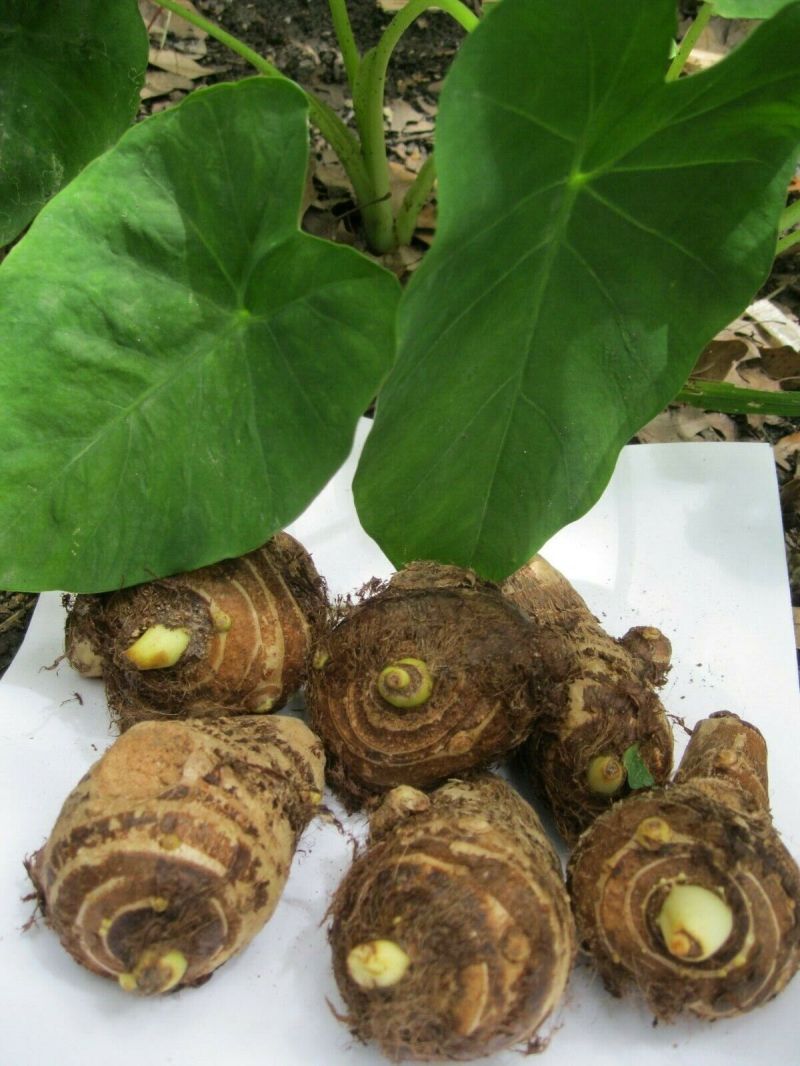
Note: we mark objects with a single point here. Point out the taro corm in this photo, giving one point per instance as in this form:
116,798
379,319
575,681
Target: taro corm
452,935
432,675
602,729
231,638
686,892
172,852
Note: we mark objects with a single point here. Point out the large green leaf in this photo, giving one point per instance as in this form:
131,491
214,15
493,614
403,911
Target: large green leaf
70,74
596,227
183,368
748,9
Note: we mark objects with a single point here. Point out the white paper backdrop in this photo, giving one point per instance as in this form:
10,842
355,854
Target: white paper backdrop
687,537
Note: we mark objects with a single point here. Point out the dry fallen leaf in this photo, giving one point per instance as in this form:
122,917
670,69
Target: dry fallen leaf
334,181
400,179
402,261
175,62
160,83
752,374
719,357
790,503
776,323
407,121
787,451
782,364
159,22
719,38
682,423
335,96
742,355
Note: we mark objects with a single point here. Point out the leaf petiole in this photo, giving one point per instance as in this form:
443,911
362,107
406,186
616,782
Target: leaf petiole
789,218
414,200
263,66
344,35
324,117
690,38
368,101
731,399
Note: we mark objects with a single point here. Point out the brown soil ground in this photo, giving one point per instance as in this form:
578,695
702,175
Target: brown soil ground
297,36
15,614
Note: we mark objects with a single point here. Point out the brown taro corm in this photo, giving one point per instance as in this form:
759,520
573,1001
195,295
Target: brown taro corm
599,706
687,892
451,934
231,638
172,852
431,675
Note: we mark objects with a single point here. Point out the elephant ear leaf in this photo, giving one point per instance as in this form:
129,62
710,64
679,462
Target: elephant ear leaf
70,75
748,9
597,226
184,368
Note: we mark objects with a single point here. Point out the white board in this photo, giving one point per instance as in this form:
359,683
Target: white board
687,537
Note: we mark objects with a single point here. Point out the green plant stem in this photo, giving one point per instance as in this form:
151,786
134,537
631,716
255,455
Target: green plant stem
366,163
414,201
263,66
788,241
789,218
733,400
347,42
414,8
324,117
689,40
369,99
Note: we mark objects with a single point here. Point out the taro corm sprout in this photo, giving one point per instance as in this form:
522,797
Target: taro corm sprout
226,639
602,729
172,852
432,675
452,935
687,891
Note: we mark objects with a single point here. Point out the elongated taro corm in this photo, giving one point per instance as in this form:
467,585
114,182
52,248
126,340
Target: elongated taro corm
172,852
431,676
231,638
452,935
601,729
687,892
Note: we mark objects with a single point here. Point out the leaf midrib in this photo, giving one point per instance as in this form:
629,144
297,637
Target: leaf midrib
556,243
570,197
233,323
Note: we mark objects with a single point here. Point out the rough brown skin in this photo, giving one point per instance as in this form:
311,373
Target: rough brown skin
710,828
179,839
465,882
272,601
83,636
482,664
600,699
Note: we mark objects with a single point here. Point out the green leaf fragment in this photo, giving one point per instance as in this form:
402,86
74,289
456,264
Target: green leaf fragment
749,9
184,368
70,75
596,228
734,399
638,774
